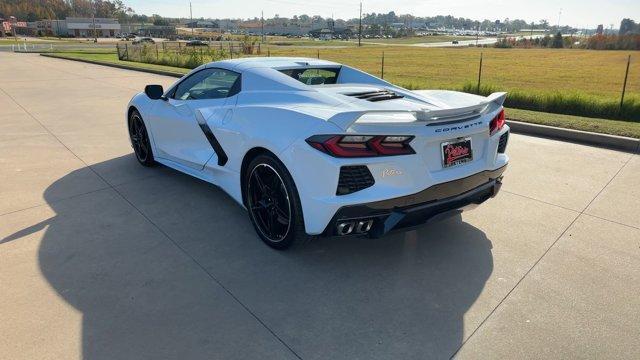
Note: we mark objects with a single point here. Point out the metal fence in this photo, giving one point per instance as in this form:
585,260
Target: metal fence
170,52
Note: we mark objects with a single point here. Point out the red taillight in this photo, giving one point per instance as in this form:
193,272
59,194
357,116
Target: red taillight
497,123
362,145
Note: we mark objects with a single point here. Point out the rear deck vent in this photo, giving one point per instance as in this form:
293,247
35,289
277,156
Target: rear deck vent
502,143
377,95
354,178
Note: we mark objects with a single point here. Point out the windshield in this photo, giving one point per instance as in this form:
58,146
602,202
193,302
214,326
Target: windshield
313,76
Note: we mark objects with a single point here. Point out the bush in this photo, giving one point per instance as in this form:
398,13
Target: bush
557,41
186,57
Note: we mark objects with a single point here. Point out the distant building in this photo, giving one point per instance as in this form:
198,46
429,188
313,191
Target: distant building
159,31
84,27
48,28
600,29
11,26
328,34
150,30
77,27
228,24
202,24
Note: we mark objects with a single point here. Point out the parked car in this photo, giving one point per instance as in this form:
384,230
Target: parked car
196,43
144,40
312,147
455,42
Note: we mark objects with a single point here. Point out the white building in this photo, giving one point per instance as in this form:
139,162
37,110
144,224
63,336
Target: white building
84,27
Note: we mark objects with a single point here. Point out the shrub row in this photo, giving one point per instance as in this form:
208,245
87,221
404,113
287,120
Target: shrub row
569,103
188,58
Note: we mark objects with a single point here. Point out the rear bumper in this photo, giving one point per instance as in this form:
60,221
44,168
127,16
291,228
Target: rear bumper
442,199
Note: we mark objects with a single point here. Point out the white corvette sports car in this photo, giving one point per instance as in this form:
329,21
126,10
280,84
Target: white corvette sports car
312,147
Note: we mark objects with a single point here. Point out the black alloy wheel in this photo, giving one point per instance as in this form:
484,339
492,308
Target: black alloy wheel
140,139
269,202
273,203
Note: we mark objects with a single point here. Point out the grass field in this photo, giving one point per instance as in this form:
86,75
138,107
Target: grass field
596,73
606,126
579,82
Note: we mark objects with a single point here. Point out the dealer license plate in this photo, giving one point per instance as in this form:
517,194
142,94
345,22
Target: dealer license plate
456,152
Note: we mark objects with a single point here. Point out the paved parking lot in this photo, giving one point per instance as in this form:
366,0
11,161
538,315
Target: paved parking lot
101,258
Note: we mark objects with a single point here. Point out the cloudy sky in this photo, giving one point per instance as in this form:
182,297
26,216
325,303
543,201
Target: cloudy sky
578,13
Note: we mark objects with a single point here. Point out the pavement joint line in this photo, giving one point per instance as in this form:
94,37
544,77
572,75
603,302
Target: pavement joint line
569,209
541,201
55,201
81,194
611,221
207,272
607,184
581,213
81,77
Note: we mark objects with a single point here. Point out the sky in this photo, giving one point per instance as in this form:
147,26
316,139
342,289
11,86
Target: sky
576,13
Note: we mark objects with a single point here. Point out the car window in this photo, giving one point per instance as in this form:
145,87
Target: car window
208,84
313,76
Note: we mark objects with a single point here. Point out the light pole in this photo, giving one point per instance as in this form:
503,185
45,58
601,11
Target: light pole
191,17
93,21
360,25
559,14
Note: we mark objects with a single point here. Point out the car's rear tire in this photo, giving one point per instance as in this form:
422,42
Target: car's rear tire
273,203
140,139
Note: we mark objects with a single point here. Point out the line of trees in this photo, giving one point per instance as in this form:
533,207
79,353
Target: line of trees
596,42
33,10
382,20
629,27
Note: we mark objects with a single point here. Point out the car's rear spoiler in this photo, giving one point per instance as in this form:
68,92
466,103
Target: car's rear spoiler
345,119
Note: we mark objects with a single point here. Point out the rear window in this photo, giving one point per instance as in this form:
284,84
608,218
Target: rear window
314,76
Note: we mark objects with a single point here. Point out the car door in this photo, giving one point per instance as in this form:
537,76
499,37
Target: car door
179,124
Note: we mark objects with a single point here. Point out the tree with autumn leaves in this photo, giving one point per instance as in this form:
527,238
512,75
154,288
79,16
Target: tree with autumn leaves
32,10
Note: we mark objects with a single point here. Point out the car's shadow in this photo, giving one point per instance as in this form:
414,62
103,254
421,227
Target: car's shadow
142,295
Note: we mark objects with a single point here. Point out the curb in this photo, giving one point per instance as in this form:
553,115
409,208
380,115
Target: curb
581,137
119,66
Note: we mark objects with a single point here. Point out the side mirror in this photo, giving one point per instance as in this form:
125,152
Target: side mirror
154,92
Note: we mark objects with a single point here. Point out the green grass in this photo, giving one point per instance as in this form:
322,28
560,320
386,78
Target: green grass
606,126
112,58
572,103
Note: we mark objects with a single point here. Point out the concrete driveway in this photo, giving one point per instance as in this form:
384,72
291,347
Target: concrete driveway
101,258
